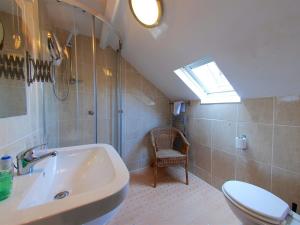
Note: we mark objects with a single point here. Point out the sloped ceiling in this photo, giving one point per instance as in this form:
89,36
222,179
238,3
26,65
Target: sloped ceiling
256,43
72,19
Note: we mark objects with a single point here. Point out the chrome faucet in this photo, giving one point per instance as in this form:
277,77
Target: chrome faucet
26,159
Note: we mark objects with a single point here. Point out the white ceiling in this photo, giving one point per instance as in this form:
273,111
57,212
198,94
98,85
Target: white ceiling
70,18
256,43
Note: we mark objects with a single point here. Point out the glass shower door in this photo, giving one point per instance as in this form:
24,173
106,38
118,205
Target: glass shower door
84,82
106,70
81,104
70,114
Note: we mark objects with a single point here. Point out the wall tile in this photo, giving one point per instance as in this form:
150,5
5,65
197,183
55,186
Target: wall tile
133,127
198,110
203,129
133,150
218,182
149,90
286,185
133,83
287,110
52,130
14,100
270,144
87,134
223,136
191,156
68,108
145,108
143,163
69,133
85,77
203,174
105,104
226,112
259,141
223,165
133,165
132,105
192,127
256,110
254,172
163,109
202,156
105,131
84,49
287,148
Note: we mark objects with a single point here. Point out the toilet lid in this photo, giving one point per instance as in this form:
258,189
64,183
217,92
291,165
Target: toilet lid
256,200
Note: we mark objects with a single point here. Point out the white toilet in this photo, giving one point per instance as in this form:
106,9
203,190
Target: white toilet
254,205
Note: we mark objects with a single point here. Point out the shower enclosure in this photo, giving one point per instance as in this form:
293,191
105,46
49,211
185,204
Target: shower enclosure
81,105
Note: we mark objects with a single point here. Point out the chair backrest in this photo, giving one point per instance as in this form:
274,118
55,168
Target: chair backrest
163,138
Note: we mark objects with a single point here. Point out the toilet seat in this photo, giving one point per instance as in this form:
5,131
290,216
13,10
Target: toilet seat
256,201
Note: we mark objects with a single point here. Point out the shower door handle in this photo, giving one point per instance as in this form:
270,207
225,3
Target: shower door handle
91,112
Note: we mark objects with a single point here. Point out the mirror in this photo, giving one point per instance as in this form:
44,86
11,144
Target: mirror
12,88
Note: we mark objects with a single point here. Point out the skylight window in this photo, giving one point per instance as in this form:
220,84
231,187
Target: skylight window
208,82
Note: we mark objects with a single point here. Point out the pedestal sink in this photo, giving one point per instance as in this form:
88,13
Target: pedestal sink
81,185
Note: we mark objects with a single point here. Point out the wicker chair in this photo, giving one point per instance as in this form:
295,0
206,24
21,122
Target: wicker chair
170,148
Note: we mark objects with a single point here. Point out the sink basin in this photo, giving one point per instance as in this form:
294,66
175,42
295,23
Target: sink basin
81,185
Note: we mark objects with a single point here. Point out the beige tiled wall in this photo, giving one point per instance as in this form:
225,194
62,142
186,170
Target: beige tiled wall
272,160
145,107
68,122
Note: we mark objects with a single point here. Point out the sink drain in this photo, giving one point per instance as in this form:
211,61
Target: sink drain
61,195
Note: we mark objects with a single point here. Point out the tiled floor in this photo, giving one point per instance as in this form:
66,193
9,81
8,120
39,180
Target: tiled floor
172,202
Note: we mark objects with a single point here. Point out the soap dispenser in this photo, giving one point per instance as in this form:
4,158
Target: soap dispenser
6,176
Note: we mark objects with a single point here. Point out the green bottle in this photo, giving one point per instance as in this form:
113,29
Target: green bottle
6,181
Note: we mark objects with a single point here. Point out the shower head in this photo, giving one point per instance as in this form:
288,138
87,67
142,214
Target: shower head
68,45
69,40
70,37
54,48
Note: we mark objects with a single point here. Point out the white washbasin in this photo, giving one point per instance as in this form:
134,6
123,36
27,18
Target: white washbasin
94,176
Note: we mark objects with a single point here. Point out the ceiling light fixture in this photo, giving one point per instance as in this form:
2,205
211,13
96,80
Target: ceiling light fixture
147,12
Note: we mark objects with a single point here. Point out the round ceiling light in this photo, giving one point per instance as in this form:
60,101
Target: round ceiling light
147,12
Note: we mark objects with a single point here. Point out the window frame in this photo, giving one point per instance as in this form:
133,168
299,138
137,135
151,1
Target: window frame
206,97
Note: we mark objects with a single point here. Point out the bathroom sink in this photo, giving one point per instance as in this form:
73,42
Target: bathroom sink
81,185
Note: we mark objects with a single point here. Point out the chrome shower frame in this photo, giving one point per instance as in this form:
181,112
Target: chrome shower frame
119,99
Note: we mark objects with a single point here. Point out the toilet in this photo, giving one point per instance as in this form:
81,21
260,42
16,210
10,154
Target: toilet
256,206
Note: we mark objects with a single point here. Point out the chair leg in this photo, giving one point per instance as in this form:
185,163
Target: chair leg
155,174
186,173
152,164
